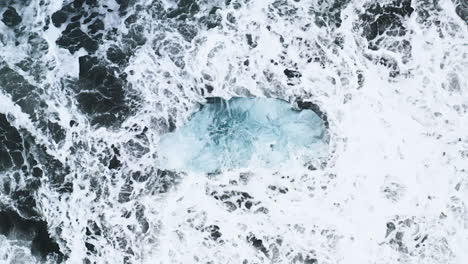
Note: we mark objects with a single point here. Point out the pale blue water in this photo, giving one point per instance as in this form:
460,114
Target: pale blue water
234,133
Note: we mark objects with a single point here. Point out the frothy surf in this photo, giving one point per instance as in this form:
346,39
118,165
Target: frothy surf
93,95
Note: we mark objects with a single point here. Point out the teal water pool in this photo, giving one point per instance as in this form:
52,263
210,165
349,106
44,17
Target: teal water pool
241,132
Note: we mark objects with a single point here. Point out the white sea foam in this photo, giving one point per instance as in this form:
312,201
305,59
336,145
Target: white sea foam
398,147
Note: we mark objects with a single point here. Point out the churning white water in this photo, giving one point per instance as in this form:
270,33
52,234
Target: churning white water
234,133
97,98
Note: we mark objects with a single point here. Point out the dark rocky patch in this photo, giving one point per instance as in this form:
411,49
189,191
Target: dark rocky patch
386,19
214,232
390,228
283,9
26,165
279,189
209,88
292,73
56,131
22,93
391,65
11,146
138,176
257,243
23,199
187,31
233,200
236,4
141,219
117,56
93,229
76,18
96,26
73,39
86,27
91,17
124,4
130,20
80,3
307,260
382,24
11,18
462,10
212,19
55,172
17,161
213,100
135,37
250,41
59,17
125,192
12,224
398,230
101,92
115,163
328,13
90,247
185,8
310,260
34,65
315,108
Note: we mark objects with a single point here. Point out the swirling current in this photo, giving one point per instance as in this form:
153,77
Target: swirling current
234,131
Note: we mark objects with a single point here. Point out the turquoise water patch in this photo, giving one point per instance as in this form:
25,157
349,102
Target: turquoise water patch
241,132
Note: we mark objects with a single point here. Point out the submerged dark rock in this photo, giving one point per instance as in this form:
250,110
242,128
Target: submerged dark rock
386,19
101,92
11,146
234,199
22,93
58,18
114,163
257,244
124,5
315,108
462,10
11,18
292,73
96,26
185,8
86,28
23,165
329,13
73,39
12,224
213,231
212,19
187,31
116,55
135,37
250,41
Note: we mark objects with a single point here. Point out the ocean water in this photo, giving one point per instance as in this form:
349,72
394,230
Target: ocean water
92,93
228,134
